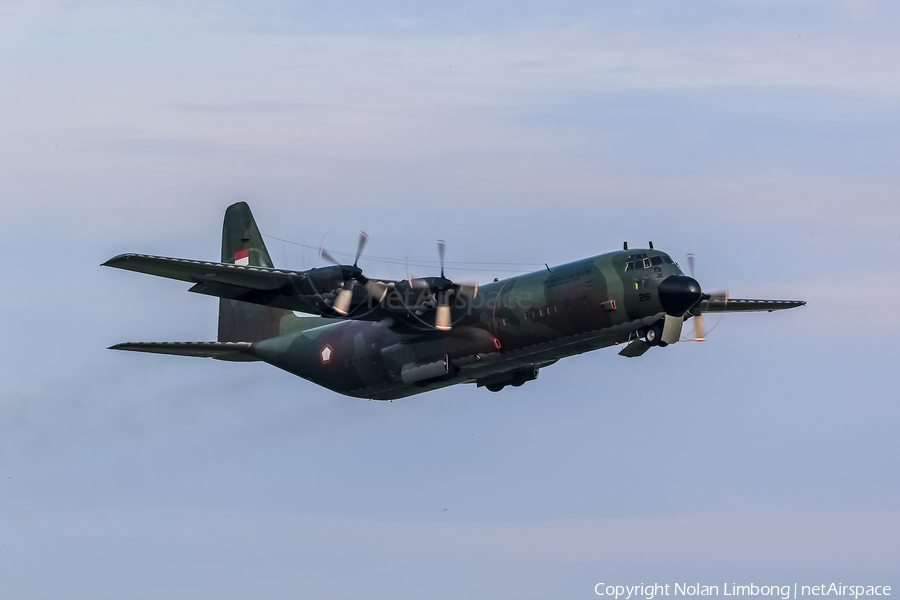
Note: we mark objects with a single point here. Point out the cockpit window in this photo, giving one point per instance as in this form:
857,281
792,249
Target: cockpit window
642,261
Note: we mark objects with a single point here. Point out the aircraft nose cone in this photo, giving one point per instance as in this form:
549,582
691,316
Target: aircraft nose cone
678,293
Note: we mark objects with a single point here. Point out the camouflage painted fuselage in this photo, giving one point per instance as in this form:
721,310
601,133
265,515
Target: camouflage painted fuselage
382,339
513,327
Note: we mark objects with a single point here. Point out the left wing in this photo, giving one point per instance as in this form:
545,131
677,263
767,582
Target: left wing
310,291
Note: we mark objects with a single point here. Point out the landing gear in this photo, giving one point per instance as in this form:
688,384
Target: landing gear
495,387
654,335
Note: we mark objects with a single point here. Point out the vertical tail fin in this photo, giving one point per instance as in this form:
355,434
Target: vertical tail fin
242,244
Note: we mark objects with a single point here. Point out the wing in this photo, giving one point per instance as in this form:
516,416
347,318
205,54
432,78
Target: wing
310,291
412,306
722,305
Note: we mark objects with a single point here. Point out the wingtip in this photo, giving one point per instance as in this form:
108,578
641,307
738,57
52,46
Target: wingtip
115,259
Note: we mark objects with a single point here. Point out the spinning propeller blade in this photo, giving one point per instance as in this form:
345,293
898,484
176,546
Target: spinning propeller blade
435,294
719,296
363,238
376,290
443,291
342,302
468,289
351,276
699,325
323,253
441,245
699,329
442,318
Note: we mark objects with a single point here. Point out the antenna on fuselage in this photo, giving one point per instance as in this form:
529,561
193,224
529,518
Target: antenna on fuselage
651,245
625,246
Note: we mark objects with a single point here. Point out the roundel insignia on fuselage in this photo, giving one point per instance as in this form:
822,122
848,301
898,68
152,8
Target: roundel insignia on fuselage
326,353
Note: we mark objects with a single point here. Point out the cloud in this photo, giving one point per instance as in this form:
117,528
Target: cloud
755,542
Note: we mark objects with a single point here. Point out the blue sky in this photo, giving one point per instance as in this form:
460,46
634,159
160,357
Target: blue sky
761,136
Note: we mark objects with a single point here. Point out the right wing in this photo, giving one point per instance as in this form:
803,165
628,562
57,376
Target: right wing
723,305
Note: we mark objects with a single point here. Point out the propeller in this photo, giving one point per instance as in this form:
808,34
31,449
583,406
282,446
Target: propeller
470,290
699,326
435,293
351,276
717,297
323,253
442,290
442,316
363,239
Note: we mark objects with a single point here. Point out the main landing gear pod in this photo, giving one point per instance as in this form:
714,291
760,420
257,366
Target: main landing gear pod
513,378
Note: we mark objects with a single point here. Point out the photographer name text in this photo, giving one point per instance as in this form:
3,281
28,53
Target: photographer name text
785,592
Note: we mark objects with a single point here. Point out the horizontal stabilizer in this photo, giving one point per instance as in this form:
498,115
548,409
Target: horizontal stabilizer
234,351
738,305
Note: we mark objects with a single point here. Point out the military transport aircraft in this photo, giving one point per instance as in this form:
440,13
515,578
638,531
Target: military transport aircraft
382,339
